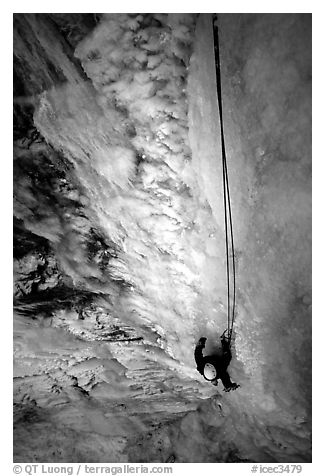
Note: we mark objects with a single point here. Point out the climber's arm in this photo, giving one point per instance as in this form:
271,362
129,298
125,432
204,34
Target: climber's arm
198,354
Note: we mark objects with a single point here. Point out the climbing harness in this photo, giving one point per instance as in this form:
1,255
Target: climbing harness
231,293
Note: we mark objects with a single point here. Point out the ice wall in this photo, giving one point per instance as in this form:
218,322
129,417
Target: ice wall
119,210
265,64
131,152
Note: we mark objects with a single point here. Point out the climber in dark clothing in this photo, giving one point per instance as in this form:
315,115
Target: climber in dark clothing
213,367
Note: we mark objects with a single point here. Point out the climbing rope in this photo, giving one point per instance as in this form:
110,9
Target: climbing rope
231,293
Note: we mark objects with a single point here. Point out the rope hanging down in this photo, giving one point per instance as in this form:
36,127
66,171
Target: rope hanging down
226,196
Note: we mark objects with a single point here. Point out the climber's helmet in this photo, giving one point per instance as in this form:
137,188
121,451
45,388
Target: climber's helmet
209,372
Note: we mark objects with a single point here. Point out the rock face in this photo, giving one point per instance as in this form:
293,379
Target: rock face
119,254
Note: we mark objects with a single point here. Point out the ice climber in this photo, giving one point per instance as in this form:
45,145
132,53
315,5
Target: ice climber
214,367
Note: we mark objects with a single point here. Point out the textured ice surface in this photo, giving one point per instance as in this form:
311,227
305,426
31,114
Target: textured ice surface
128,195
